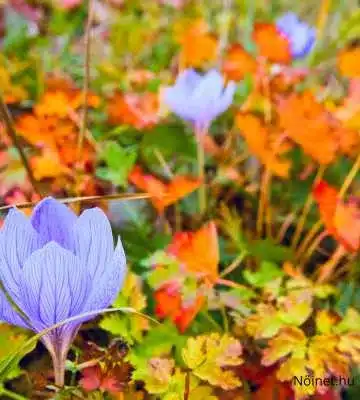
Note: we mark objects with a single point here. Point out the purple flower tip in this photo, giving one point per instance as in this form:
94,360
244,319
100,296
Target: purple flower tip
301,36
56,265
199,98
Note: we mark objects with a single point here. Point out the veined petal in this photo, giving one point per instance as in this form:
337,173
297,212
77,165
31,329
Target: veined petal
94,244
105,290
8,314
54,285
54,222
18,239
206,96
177,102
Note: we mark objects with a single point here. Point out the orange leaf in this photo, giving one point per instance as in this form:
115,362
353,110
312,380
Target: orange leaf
163,194
308,124
197,44
139,111
238,63
342,220
271,43
48,166
198,251
169,304
348,62
258,140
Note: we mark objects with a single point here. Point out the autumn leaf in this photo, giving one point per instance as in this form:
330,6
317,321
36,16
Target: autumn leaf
138,110
271,44
348,62
289,341
198,251
262,145
169,303
237,63
342,220
48,165
309,125
163,194
197,44
208,356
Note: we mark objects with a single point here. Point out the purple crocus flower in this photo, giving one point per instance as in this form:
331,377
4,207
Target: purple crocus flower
199,98
54,266
300,35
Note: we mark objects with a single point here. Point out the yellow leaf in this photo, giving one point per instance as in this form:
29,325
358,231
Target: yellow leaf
208,356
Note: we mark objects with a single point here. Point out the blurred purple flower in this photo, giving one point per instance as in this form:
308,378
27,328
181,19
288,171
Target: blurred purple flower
55,266
199,98
300,35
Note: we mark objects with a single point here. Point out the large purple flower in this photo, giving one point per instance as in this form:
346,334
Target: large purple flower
56,265
199,98
300,35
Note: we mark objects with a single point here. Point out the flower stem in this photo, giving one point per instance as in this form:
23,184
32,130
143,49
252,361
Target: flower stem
350,177
11,395
201,171
306,210
59,361
83,126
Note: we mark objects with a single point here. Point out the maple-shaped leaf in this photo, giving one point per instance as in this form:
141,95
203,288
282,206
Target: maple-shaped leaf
271,44
341,220
308,124
112,380
262,145
169,303
138,110
348,62
237,63
163,194
325,321
198,251
324,358
288,341
156,375
349,344
264,323
120,162
208,356
198,45
48,165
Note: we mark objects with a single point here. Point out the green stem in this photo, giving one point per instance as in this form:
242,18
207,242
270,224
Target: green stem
201,171
11,395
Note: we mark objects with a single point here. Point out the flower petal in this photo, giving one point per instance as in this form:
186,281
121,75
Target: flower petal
8,314
54,286
94,243
226,99
54,221
106,289
18,239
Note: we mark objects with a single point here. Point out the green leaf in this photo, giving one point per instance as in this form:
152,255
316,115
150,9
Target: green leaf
268,272
268,250
169,141
119,162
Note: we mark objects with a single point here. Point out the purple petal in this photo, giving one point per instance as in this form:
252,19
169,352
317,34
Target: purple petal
18,239
8,314
104,291
226,98
54,286
54,222
94,243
